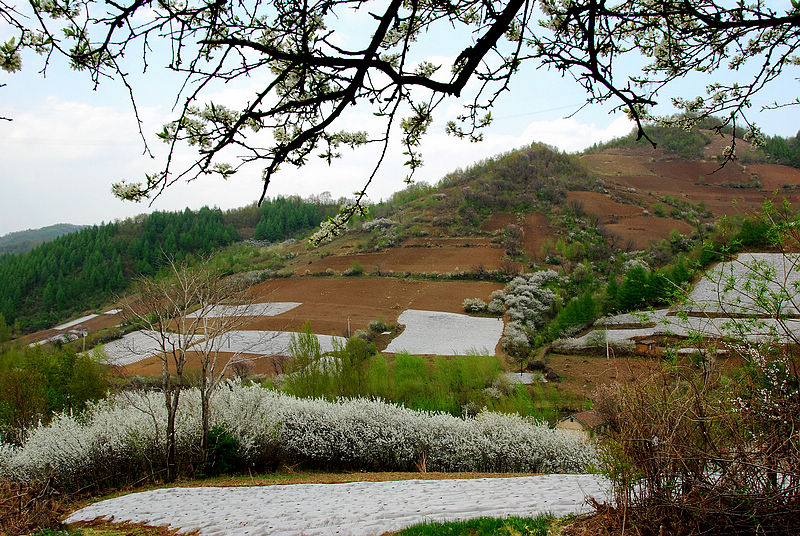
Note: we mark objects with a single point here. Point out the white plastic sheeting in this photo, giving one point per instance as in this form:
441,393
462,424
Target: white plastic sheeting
434,332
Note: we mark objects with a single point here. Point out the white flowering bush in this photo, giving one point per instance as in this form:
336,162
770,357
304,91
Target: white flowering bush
527,300
474,305
379,223
496,307
121,440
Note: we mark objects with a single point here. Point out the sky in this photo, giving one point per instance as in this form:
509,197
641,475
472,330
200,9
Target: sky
68,141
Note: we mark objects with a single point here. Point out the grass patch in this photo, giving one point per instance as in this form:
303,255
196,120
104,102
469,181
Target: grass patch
461,385
512,526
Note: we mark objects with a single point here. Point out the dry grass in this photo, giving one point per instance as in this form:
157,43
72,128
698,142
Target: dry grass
26,507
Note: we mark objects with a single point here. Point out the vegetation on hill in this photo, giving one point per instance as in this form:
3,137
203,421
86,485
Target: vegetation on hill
80,271
537,176
285,217
36,383
675,140
22,241
782,150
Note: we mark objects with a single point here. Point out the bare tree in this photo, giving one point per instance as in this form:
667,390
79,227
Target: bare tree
191,311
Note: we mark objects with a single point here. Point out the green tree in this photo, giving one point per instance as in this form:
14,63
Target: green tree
306,364
36,383
5,331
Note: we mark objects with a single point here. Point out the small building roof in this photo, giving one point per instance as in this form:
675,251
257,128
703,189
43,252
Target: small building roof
591,419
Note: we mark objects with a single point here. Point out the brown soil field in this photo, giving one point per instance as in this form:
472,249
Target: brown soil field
536,230
439,241
617,163
718,143
583,375
654,175
329,302
644,230
774,177
498,221
101,322
702,171
603,206
414,260
151,366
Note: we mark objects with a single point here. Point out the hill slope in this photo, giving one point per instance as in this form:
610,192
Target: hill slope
22,241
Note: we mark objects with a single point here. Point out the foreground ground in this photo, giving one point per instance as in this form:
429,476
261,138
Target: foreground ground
372,507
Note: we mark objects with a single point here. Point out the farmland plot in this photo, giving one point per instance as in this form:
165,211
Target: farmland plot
267,343
253,309
753,283
135,347
437,333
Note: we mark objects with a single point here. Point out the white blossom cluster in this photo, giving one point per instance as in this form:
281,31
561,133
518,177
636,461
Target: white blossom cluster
526,301
125,435
630,264
379,223
474,305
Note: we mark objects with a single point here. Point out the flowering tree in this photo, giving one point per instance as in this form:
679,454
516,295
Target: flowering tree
313,66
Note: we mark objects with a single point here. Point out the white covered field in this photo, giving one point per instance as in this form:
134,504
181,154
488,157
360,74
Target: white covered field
135,347
273,343
755,330
433,332
254,309
140,345
356,508
731,286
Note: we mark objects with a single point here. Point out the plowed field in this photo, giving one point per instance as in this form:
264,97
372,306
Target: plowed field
414,260
328,302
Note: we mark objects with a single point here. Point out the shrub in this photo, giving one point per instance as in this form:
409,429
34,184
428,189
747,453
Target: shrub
379,326
355,269
474,305
380,224
528,302
496,307
117,443
223,453
363,334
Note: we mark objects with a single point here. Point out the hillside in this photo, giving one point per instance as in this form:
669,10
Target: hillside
79,272
534,284
22,241
432,247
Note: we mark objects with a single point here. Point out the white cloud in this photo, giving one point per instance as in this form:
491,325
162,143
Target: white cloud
569,135
62,156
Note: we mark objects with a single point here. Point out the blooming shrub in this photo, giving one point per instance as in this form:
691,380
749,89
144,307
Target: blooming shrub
379,223
496,307
527,302
474,305
121,440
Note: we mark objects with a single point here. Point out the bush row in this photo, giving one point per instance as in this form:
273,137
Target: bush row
121,440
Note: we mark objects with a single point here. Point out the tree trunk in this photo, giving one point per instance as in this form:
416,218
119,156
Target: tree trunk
172,407
205,395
